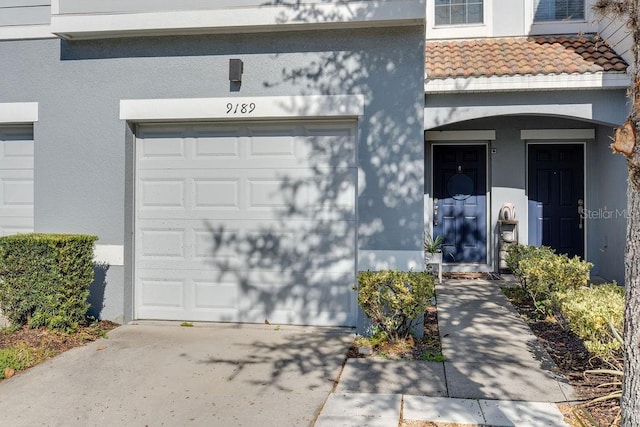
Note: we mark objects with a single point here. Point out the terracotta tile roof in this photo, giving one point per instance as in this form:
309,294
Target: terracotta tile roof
520,56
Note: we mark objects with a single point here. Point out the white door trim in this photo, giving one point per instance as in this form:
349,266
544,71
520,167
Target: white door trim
488,265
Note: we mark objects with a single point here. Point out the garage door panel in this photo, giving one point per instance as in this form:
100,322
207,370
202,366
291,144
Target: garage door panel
160,243
15,225
267,144
215,295
252,147
161,292
159,149
16,180
212,193
329,146
248,194
255,221
212,146
252,297
246,245
16,153
161,193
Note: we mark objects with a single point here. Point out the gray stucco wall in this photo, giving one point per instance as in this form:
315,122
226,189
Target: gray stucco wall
83,151
607,220
605,182
604,107
25,12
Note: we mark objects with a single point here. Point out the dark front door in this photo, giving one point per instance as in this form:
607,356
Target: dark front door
460,205
556,194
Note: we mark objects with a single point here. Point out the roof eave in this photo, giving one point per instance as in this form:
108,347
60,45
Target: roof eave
523,83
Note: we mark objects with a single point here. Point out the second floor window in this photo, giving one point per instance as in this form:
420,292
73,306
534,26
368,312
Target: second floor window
558,10
458,12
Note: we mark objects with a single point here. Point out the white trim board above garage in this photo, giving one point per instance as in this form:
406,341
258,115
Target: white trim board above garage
242,108
18,112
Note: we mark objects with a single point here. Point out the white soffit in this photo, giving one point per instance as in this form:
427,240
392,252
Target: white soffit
525,83
460,135
18,112
351,14
242,108
545,134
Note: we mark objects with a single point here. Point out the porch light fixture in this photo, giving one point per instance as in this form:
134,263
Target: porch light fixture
235,70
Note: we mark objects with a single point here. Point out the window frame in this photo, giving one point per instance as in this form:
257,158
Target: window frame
482,4
556,19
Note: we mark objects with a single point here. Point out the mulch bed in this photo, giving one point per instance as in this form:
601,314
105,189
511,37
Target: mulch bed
573,360
566,349
412,348
54,342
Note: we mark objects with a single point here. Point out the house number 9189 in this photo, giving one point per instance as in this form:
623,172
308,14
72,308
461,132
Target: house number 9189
239,108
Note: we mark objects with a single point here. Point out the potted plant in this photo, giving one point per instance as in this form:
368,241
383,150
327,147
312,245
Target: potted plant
433,249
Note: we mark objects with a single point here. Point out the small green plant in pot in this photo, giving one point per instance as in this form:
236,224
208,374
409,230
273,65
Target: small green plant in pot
433,249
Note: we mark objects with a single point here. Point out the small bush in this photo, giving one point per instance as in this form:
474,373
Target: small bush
543,272
394,299
515,254
45,279
588,311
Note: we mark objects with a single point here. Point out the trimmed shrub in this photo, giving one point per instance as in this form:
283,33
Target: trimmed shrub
394,299
588,311
45,279
543,272
515,254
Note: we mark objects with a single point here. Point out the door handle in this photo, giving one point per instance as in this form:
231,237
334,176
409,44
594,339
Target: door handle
435,212
581,212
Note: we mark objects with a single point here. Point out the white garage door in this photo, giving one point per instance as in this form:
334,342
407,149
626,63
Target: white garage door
246,223
16,180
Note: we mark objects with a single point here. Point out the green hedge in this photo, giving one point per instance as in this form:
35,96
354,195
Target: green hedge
589,311
394,299
45,279
542,272
557,284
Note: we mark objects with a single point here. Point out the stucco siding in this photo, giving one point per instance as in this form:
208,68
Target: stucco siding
607,212
24,12
83,154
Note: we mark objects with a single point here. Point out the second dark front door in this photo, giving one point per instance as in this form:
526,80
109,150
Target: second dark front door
460,204
556,193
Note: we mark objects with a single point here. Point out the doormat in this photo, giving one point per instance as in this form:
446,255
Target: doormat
472,276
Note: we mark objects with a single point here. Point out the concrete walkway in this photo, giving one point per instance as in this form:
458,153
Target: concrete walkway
495,372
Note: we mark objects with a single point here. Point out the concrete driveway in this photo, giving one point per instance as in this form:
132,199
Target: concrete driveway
167,375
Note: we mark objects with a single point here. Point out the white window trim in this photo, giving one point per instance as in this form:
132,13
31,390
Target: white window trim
266,107
587,25
466,24
18,112
459,31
